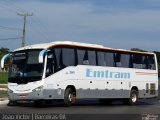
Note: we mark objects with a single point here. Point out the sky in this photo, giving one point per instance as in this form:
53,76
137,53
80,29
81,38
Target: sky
123,24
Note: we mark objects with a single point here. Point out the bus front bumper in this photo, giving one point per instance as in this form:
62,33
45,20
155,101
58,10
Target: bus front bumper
45,94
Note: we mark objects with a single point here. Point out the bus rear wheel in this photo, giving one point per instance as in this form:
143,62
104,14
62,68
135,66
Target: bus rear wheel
69,97
133,97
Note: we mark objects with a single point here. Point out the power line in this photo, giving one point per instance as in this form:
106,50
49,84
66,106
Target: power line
12,4
9,28
4,39
39,27
11,7
3,5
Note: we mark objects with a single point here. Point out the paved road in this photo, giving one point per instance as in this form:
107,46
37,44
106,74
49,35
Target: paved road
92,107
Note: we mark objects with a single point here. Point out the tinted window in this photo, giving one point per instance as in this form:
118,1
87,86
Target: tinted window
92,57
125,60
151,62
109,59
122,59
68,56
101,58
58,54
105,58
118,59
139,61
80,56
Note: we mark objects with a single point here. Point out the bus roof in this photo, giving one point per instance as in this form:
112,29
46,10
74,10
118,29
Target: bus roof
78,44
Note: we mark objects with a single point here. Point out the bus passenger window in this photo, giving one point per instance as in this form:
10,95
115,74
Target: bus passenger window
92,57
85,59
68,56
125,60
58,55
80,55
137,61
101,59
151,62
144,62
109,58
118,60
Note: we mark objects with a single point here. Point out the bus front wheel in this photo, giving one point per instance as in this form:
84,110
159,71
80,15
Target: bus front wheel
69,97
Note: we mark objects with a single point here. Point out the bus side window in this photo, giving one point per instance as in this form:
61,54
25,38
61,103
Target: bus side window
101,58
125,60
92,57
85,59
131,61
151,62
109,59
117,59
68,57
80,55
137,61
144,62
58,55
140,61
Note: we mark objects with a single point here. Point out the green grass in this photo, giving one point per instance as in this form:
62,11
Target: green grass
3,94
3,77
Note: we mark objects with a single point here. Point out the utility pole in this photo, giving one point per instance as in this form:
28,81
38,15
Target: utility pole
24,26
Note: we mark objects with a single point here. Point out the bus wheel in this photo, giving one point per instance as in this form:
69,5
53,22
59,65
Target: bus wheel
133,97
69,97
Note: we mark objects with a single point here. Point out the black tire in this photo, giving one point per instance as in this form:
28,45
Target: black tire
105,101
133,97
69,97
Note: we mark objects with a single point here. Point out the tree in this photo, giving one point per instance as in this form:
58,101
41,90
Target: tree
158,56
3,51
137,49
158,59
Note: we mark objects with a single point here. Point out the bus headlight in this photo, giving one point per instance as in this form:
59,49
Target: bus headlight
38,89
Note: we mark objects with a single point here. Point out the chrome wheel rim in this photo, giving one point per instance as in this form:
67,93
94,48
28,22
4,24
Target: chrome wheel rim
70,97
134,97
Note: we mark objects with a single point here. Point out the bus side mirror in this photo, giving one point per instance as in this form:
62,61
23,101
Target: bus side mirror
3,60
41,55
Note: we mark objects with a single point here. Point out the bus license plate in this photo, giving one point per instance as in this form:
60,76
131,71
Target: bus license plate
22,96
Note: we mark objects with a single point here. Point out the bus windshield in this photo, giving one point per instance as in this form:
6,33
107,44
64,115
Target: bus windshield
25,67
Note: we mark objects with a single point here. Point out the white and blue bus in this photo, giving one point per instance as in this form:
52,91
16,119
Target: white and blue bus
68,71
